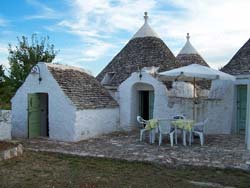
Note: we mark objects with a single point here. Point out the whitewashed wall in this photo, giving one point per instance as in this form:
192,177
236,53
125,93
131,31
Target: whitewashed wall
61,109
181,89
128,99
91,123
5,124
219,109
221,112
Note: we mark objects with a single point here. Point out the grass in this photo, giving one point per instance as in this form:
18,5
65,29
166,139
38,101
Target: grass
57,170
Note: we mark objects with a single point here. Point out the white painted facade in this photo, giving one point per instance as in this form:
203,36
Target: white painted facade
5,124
178,100
64,119
92,123
128,98
61,109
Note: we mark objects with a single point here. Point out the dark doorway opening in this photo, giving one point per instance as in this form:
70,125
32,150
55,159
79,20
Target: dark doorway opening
38,111
144,110
146,104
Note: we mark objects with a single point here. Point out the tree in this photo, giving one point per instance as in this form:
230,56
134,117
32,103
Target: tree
4,90
1,73
22,58
25,55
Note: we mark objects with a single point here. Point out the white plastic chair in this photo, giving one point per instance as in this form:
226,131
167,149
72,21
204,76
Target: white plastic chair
142,123
176,129
165,129
198,129
179,117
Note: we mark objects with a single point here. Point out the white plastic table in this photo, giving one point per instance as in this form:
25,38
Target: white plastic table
186,126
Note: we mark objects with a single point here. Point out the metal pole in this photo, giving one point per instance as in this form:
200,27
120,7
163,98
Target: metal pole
194,93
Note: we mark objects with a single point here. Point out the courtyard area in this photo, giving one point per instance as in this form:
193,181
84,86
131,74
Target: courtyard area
219,151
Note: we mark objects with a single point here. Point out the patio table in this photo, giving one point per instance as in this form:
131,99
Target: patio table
151,126
184,125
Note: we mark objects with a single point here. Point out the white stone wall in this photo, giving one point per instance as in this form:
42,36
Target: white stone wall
61,109
181,89
91,123
221,112
5,124
219,109
128,99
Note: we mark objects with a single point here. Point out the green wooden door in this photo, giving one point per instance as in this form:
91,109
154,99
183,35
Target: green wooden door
151,104
34,115
241,107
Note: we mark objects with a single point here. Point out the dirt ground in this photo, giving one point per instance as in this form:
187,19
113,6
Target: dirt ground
5,145
37,169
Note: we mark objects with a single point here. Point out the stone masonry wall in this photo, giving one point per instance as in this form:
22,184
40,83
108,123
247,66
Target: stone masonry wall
5,124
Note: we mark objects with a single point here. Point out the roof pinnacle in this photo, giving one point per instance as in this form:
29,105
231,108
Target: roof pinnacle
188,47
146,16
188,36
145,30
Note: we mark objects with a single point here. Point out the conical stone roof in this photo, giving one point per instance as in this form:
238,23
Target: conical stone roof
189,55
240,63
145,49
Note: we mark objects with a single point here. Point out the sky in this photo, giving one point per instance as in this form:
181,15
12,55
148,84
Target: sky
89,33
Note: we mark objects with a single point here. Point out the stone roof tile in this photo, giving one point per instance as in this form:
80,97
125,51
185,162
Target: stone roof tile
139,53
240,63
83,90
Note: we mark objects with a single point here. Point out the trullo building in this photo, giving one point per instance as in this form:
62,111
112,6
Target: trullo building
63,103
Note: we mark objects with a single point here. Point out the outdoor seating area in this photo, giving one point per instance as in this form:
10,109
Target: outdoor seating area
161,125
172,127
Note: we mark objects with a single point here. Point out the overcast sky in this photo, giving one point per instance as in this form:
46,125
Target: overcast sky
89,33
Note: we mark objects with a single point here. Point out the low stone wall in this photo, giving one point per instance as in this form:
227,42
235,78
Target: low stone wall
218,112
12,152
5,124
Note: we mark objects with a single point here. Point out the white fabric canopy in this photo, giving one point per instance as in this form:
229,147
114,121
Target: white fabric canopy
199,72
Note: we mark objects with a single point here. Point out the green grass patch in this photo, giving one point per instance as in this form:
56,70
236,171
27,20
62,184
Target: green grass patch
58,170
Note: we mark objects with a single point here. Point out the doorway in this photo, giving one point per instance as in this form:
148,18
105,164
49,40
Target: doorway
38,122
241,108
146,104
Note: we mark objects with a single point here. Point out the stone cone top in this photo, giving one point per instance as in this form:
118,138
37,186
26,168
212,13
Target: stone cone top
189,55
145,30
188,47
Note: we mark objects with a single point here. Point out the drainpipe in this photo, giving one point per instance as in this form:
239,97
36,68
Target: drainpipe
248,118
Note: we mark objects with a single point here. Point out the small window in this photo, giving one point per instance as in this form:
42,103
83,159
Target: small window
107,78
